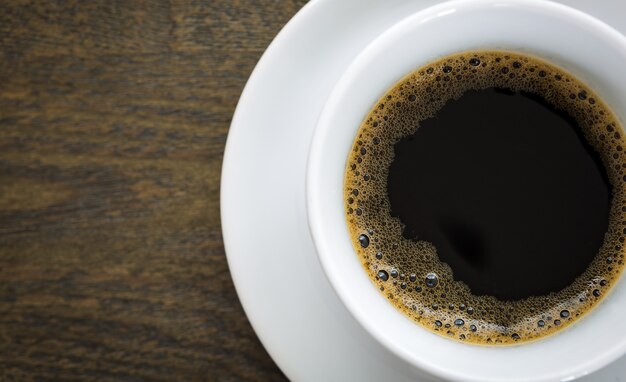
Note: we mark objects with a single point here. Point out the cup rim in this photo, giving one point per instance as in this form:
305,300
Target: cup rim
315,220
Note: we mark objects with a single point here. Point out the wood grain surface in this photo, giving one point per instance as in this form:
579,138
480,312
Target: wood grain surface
113,119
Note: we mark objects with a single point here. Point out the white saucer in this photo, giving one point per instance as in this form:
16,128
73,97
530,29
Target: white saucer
279,280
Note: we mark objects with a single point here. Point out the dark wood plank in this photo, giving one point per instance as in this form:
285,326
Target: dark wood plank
113,119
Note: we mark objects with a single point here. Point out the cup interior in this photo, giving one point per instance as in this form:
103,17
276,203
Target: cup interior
582,45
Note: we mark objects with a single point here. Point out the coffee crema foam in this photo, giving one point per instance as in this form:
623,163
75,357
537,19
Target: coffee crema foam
408,272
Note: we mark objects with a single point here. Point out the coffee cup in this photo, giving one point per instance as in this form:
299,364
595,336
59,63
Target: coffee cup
575,41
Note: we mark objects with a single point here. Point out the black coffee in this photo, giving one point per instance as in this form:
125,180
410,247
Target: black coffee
507,189
485,196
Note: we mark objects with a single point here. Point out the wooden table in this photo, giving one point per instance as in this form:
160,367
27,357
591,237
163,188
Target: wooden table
113,119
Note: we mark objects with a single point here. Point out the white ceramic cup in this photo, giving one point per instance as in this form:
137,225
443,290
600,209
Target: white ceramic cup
586,47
